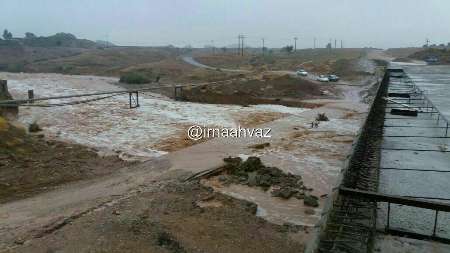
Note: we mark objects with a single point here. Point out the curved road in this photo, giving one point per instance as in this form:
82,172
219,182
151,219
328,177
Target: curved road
192,61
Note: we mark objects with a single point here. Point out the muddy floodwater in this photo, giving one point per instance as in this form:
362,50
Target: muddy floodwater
109,125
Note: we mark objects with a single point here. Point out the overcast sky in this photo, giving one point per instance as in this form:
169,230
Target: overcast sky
381,23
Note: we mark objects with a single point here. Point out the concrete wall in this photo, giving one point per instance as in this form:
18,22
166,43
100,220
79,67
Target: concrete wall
321,227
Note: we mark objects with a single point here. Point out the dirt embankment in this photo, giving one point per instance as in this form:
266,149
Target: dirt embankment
152,62
282,90
29,164
402,52
175,217
278,60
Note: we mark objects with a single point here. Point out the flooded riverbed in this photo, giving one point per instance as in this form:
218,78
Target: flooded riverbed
110,126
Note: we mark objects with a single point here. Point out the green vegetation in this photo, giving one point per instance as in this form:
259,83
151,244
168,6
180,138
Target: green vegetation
288,48
57,40
14,67
11,138
34,127
134,78
7,35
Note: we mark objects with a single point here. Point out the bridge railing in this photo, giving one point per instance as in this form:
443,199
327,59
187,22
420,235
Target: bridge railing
404,201
427,104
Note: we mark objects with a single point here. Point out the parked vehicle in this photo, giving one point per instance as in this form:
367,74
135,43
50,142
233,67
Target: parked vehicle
333,78
432,60
323,78
302,72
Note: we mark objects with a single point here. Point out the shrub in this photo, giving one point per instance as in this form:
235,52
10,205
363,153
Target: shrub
322,117
34,127
15,67
134,78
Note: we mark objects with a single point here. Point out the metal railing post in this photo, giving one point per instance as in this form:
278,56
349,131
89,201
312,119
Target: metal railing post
388,215
435,223
131,104
31,96
137,98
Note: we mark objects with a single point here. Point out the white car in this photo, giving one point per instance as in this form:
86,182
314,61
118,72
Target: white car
302,72
323,78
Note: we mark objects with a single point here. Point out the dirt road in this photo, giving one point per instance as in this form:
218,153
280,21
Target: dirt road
192,61
32,217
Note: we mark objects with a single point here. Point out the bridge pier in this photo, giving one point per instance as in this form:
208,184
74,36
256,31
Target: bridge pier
178,93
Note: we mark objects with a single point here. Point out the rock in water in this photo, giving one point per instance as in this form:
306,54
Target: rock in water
253,163
285,193
310,200
252,179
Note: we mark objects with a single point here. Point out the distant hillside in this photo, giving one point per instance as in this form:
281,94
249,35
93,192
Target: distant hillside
402,52
58,40
442,54
16,53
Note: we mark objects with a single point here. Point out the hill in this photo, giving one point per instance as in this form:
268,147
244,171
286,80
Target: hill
442,54
17,53
58,40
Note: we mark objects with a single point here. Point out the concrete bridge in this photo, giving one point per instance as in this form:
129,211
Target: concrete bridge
393,180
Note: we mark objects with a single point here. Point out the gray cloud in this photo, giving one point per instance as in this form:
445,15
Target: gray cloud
383,23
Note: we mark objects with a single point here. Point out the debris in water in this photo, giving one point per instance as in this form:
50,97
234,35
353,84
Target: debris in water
311,200
443,147
34,127
253,172
322,117
260,146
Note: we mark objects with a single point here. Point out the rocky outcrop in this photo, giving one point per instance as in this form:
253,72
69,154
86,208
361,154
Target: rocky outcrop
254,173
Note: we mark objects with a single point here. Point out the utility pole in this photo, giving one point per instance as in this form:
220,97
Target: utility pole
213,47
295,44
428,42
330,46
240,50
242,46
335,43
239,45
342,44
263,47
315,42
